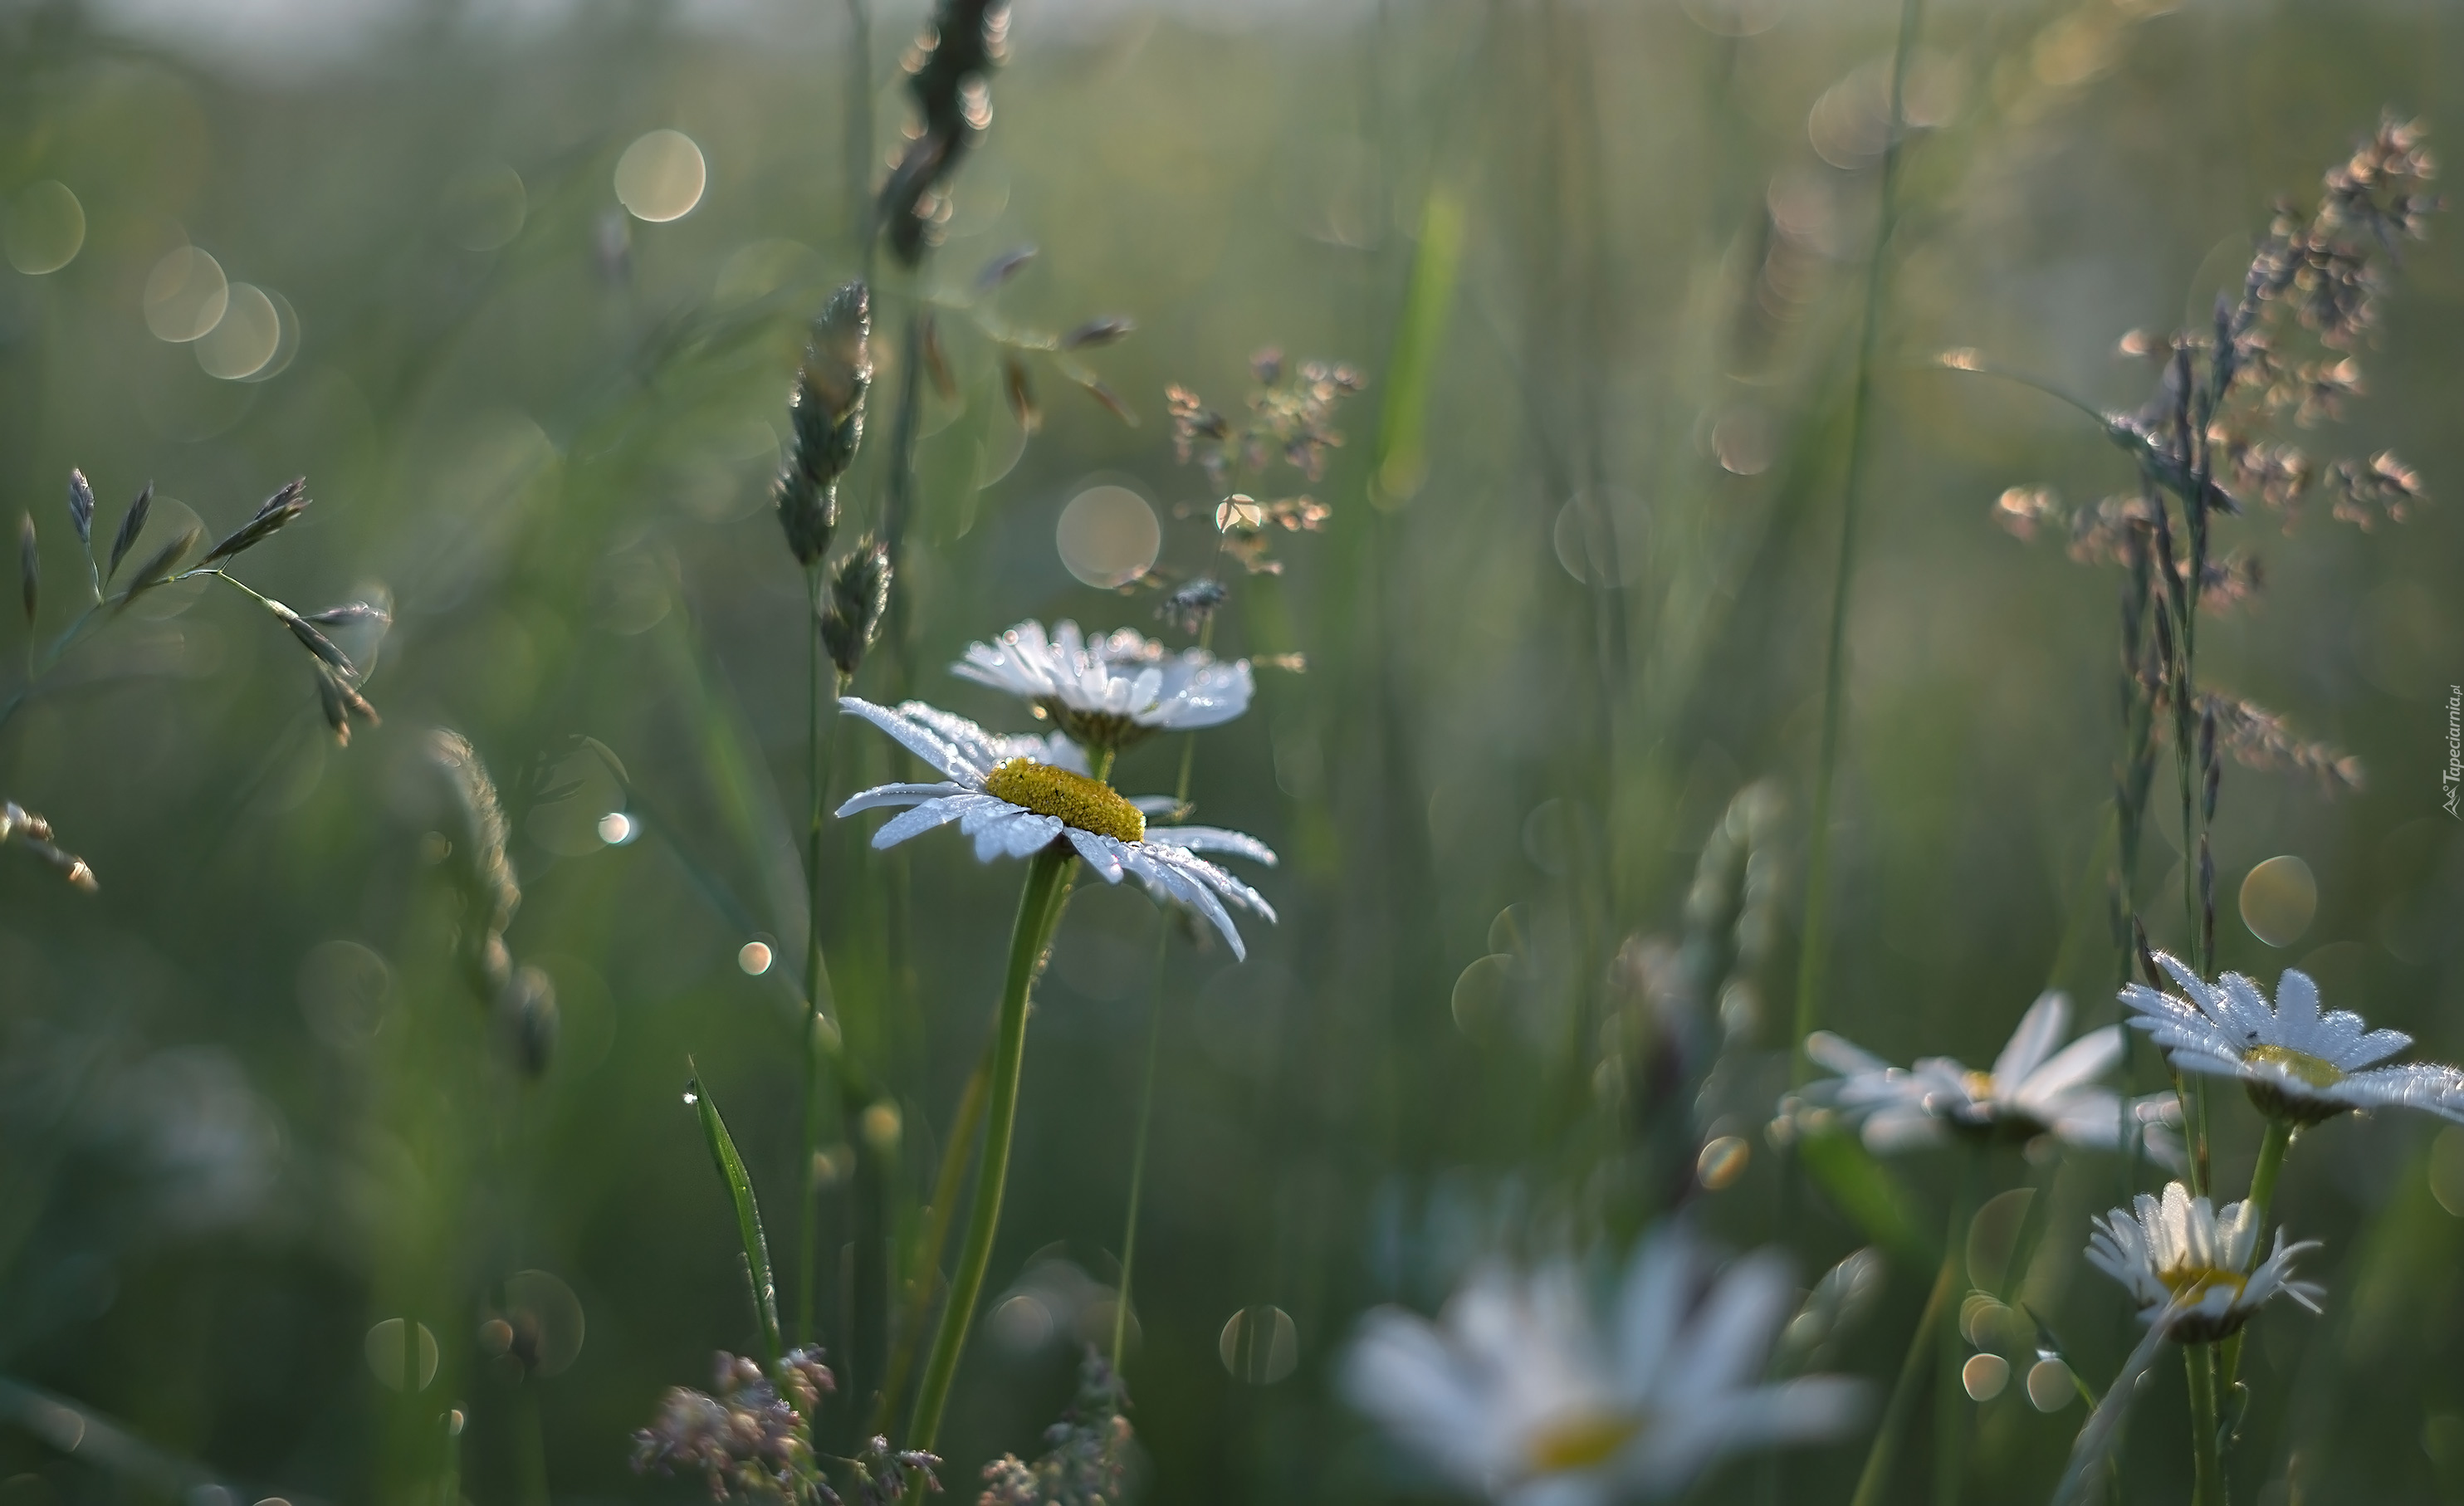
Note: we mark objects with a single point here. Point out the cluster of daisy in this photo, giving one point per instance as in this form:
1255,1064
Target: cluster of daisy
1018,794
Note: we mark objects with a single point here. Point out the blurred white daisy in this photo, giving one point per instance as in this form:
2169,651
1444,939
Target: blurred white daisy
1016,795
2188,1266
2032,1089
2297,1063
1524,1393
1113,691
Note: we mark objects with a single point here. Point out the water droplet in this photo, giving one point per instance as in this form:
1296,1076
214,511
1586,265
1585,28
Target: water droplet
754,956
692,1096
616,829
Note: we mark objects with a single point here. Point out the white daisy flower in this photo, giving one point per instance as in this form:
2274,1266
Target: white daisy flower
1113,691
1522,1392
2189,1266
2032,1089
2297,1063
1016,795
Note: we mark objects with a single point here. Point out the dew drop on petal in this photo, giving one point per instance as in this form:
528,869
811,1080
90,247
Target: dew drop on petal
616,829
754,956
1985,1376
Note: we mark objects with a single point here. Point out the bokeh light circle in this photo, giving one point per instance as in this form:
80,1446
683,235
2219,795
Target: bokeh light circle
2049,1385
661,176
1259,1345
1108,536
389,1359
44,228
245,339
186,294
2278,899
485,207
1984,1376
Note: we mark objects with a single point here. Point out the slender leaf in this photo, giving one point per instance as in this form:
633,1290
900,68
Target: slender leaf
748,1215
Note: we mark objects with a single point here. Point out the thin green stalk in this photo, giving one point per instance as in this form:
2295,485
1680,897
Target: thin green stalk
1949,1394
818,749
1039,909
858,142
1139,1154
2206,1454
927,1267
1872,1481
1812,952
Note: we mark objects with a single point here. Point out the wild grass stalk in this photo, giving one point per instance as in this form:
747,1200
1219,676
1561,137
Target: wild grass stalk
1813,948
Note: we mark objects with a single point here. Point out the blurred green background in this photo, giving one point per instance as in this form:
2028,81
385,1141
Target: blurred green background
1595,261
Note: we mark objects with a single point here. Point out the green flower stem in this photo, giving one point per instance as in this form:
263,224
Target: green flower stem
2262,1177
2262,1197
1039,910
1874,1478
2207,1452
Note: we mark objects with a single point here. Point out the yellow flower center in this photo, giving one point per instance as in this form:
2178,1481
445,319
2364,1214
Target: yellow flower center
1581,1441
2191,1283
1979,1086
2300,1065
1075,799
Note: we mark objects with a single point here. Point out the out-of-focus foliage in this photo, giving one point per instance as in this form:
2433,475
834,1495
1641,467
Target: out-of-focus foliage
1600,271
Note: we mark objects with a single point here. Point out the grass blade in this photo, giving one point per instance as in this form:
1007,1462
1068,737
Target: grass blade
748,1215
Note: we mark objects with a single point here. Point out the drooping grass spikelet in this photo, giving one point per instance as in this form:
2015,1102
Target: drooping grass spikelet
131,523
82,509
826,418
271,515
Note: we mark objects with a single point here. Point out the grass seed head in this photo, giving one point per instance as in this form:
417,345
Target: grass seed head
131,523
947,72
82,509
826,418
859,599
271,515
